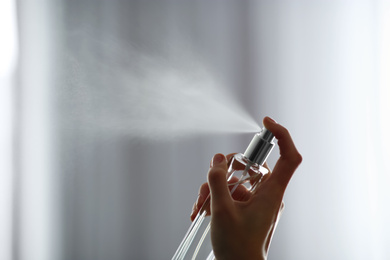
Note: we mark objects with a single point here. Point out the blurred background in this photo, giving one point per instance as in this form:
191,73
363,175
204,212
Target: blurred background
110,112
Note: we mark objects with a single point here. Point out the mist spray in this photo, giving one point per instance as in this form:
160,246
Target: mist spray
243,169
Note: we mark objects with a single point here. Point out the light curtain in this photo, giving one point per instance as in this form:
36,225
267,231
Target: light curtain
85,187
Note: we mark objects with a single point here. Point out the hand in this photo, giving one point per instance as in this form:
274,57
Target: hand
242,229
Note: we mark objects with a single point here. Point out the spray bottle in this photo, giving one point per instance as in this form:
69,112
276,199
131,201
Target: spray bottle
243,169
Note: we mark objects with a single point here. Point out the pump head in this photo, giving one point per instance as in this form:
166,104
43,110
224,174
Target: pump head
260,147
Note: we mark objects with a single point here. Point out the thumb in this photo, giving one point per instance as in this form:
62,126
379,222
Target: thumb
219,191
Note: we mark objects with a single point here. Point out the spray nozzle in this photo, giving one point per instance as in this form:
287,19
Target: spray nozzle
260,147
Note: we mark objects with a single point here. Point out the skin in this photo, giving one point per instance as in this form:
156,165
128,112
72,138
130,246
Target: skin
242,226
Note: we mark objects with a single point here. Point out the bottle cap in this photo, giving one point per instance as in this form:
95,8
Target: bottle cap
260,147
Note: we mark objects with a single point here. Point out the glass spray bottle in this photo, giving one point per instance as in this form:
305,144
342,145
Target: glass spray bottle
243,169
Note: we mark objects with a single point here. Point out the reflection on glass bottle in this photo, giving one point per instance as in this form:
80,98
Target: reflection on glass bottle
243,169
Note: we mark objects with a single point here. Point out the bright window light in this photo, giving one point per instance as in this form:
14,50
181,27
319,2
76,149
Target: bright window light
8,54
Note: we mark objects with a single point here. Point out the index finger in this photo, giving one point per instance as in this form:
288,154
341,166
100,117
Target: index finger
289,159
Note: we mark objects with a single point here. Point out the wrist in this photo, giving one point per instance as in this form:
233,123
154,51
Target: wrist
243,256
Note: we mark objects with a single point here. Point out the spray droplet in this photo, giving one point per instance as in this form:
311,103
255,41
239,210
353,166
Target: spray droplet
154,96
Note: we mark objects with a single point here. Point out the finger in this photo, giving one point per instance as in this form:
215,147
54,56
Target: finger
229,157
204,191
219,191
289,156
241,193
202,195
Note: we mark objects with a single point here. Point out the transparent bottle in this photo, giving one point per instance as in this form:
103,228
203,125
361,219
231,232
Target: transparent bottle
243,169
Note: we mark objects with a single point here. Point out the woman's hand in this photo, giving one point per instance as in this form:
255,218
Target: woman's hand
242,228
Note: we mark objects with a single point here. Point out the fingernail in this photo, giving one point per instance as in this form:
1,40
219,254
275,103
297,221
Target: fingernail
197,205
193,210
271,119
199,201
218,158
